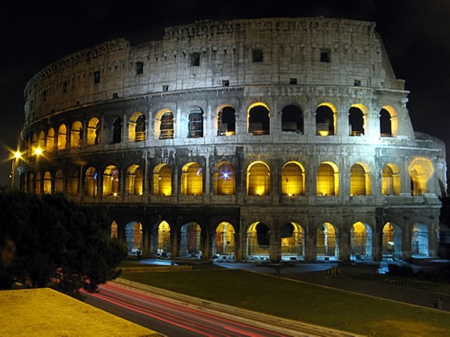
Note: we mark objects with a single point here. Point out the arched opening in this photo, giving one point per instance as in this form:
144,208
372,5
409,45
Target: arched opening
76,135
50,140
388,122
134,181
59,182
258,241
419,240
292,119
190,244
114,230
165,124
47,183
195,124
327,181
326,242
258,119
62,137
117,130
136,127
133,234
360,183
292,242
224,180
162,180
360,242
164,245
93,131
38,183
356,116
293,179
390,180
226,121
420,170
73,182
192,179
91,182
258,179
391,246
224,242
111,181
326,120
41,143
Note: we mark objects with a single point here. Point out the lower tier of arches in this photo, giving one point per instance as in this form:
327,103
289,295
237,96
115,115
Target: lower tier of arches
277,234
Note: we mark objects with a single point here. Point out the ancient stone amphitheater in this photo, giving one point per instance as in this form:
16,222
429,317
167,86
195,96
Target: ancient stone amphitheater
273,139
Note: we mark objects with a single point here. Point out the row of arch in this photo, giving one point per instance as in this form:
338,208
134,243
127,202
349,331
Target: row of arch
258,180
292,241
78,133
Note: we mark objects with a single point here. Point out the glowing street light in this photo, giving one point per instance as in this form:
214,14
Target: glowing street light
14,160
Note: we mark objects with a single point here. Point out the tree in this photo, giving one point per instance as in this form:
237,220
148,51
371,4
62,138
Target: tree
58,242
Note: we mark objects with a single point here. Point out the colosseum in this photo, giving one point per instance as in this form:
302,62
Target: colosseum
254,139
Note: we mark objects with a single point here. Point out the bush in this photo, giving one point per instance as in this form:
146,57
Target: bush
404,270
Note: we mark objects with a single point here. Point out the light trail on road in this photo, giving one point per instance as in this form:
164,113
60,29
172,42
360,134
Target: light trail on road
172,319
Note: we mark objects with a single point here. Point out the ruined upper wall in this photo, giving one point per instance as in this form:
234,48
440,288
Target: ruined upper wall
273,51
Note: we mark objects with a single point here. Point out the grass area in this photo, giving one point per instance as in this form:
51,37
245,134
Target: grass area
303,302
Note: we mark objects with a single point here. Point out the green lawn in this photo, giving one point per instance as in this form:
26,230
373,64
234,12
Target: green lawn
303,302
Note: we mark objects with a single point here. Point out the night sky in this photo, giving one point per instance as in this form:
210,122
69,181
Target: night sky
416,34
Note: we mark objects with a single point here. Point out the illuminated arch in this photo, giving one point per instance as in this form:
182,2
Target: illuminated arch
224,242
192,179
360,179
59,181
190,243
47,187
136,127
134,181
62,137
50,147
73,182
226,120
326,241
91,182
258,119
357,119
195,122
390,180
31,184
114,230
391,242
327,179
420,171
292,119
292,241
93,131
133,234
258,241
164,124
111,181
164,244
293,179
388,121
76,135
360,241
162,180
224,180
326,119
41,141
258,179
419,240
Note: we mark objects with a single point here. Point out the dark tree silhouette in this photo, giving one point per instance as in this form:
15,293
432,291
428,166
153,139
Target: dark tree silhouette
58,243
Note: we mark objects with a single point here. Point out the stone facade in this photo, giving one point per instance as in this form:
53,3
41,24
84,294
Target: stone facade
262,139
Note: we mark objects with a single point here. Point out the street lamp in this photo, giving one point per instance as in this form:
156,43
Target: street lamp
14,160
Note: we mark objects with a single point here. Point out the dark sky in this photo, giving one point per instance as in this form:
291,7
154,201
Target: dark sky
36,33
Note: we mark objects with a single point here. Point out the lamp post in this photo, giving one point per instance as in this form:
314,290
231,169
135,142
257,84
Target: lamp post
14,160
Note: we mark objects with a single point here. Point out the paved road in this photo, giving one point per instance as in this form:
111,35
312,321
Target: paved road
168,318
